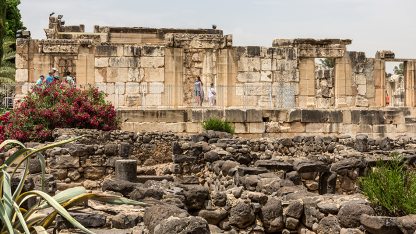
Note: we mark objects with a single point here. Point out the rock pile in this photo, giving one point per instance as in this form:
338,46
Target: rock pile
214,183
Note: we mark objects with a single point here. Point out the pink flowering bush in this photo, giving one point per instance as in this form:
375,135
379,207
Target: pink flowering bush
57,106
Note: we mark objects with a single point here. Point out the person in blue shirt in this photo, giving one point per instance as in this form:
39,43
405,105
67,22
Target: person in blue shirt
40,81
50,78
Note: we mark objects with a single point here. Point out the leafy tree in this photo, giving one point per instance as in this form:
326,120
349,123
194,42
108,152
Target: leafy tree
328,62
10,22
7,68
398,70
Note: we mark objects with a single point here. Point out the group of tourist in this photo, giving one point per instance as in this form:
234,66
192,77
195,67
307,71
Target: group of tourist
53,76
199,93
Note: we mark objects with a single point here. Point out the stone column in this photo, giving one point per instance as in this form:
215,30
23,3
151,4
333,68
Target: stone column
174,59
227,76
126,170
410,86
343,82
379,83
307,90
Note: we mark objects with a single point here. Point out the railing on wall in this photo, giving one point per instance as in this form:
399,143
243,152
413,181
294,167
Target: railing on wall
7,93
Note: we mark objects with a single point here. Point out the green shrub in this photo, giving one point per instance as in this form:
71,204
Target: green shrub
39,217
218,125
392,186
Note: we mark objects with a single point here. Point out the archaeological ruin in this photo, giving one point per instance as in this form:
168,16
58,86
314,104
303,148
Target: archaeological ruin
306,131
149,74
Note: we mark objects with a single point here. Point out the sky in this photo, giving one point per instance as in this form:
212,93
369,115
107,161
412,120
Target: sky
371,24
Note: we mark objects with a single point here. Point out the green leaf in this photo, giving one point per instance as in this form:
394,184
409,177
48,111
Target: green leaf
21,219
5,218
40,230
57,207
6,142
65,195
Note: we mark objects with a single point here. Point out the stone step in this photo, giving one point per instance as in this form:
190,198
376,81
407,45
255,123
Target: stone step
143,179
274,165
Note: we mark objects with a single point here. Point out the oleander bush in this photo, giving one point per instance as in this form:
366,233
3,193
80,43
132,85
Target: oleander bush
391,185
57,105
218,125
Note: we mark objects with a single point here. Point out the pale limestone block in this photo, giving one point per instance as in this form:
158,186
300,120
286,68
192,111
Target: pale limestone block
110,88
266,64
21,61
26,87
361,79
249,64
101,62
153,99
154,74
266,76
362,90
100,75
193,127
120,50
161,127
133,75
155,62
245,77
153,51
120,100
132,88
128,126
156,87
101,87
133,99
111,98
22,75
241,127
265,101
256,127
123,62
117,74
131,50
120,88
239,89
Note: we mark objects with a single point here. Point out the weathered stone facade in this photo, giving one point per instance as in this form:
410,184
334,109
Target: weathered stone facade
150,67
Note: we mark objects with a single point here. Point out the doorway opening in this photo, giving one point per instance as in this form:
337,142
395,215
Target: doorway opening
395,84
325,82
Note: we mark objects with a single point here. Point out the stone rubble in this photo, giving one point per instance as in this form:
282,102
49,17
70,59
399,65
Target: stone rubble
215,183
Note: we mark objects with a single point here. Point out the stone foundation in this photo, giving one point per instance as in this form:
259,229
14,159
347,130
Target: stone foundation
387,122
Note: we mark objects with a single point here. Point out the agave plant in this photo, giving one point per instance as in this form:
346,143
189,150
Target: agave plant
16,219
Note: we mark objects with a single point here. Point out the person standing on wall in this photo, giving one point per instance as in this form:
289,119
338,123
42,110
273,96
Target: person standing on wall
387,99
212,95
198,91
50,78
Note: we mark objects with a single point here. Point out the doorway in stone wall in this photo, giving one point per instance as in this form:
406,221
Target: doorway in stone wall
325,82
395,83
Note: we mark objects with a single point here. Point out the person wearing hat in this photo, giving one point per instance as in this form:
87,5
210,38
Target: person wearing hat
55,73
50,78
40,81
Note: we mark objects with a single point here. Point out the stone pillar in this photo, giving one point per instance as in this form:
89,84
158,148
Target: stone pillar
126,170
227,75
174,59
410,86
344,93
85,67
379,83
307,89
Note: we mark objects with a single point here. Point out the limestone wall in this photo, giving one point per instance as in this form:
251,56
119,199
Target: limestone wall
278,122
157,68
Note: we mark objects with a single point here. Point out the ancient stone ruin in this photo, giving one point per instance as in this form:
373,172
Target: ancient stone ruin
155,68
305,132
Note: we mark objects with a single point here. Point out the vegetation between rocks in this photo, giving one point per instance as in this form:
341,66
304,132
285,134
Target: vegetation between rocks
218,125
392,186
18,217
